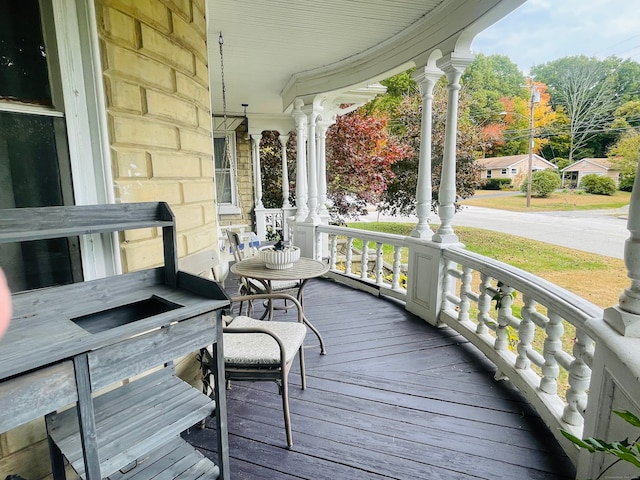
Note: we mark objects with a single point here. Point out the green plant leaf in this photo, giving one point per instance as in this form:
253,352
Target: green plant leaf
575,440
628,417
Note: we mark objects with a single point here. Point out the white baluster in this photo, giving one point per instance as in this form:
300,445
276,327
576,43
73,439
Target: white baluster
349,256
579,380
465,289
484,304
504,313
397,256
364,259
552,344
379,264
334,250
526,332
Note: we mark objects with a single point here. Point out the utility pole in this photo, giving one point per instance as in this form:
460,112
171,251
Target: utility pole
534,98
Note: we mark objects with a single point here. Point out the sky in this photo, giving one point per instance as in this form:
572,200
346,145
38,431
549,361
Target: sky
541,31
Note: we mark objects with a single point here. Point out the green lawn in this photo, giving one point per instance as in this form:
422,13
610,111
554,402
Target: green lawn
562,200
596,278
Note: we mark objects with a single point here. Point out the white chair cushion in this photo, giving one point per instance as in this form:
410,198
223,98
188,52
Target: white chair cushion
258,348
276,285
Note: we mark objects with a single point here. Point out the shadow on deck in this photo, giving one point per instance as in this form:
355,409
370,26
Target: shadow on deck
394,398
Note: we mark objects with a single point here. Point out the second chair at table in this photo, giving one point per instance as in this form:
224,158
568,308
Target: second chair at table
251,286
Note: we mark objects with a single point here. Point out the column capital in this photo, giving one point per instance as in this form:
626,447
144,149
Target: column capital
427,75
455,63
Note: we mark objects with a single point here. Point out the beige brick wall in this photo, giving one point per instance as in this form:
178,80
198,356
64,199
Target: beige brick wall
154,55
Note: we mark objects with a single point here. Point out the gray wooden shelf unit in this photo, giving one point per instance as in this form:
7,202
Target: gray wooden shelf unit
74,345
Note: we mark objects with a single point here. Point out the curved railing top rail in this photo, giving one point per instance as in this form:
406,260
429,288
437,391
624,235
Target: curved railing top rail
390,238
568,304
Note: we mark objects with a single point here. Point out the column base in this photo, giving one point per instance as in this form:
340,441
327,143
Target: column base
625,323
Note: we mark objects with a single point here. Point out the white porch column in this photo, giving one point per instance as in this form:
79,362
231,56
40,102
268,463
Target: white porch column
625,317
257,177
453,65
285,172
427,79
328,119
313,167
301,162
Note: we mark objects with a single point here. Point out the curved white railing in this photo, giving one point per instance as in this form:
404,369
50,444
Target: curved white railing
532,330
545,350
364,263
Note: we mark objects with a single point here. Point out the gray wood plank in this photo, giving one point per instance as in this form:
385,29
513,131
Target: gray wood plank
133,420
22,224
131,357
33,395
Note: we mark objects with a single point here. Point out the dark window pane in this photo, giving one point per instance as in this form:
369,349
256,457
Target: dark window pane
23,60
29,177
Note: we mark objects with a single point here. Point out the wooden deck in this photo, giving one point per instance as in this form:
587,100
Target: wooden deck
394,398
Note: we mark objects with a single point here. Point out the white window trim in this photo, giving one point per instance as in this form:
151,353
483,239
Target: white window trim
232,208
85,114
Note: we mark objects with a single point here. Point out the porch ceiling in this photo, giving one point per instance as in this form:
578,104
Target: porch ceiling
277,50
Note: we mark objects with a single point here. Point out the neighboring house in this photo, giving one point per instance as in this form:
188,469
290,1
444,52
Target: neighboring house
572,174
515,167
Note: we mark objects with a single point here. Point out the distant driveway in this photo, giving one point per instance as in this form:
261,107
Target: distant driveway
597,231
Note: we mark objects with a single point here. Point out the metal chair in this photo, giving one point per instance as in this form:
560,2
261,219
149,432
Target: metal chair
251,286
257,350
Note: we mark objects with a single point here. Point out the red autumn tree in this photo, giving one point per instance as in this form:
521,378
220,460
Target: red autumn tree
360,152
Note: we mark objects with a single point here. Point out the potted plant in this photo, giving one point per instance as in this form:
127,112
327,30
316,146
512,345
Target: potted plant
279,256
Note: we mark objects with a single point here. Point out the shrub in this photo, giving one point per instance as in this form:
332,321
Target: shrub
626,182
496,184
543,183
598,184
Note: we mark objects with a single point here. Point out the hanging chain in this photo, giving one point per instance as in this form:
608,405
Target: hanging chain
228,158
224,88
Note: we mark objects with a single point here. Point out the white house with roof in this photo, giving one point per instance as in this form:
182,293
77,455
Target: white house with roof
515,167
573,174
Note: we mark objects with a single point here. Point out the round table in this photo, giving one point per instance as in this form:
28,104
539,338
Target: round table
302,269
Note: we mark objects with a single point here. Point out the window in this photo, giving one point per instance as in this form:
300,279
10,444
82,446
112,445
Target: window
224,152
33,139
488,173
503,171
43,140
514,171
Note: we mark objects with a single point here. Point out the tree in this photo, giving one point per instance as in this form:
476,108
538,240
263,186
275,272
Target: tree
624,156
360,153
516,118
585,89
400,196
488,80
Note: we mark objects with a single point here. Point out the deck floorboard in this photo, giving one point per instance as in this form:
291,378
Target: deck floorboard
393,398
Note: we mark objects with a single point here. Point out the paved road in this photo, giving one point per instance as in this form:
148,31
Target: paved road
597,231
